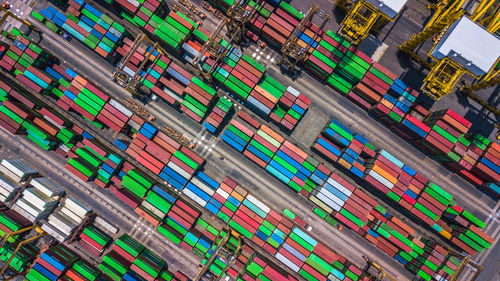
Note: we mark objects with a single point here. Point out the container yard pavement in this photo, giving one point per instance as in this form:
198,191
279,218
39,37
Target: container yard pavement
103,203
277,194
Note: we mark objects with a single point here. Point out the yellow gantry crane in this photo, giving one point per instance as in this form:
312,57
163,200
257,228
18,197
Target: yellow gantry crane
381,274
40,233
7,14
130,80
466,262
292,53
236,22
464,42
366,15
238,17
227,250
214,47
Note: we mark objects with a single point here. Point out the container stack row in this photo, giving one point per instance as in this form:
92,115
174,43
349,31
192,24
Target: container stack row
94,240
144,14
291,104
276,27
23,53
52,264
237,135
400,183
163,155
175,30
23,257
219,114
153,63
238,72
198,99
130,260
11,221
339,144
87,24
8,188
89,160
180,219
39,199
62,223
193,46
13,175
84,270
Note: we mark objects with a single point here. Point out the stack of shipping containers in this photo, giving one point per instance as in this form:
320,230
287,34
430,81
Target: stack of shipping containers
87,24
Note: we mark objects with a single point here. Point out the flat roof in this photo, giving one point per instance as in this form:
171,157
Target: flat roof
389,7
469,44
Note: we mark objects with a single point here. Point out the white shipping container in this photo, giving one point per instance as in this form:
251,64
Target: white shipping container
323,198
259,204
134,124
195,197
223,193
134,2
8,184
339,187
120,108
332,196
381,179
100,221
25,214
67,212
19,167
148,206
180,171
287,262
60,222
5,192
34,211
64,147
202,186
77,207
52,122
9,174
3,198
292,91
37,198
47,187
59,236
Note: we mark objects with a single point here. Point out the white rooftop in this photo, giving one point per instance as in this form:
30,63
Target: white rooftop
470,45
389,7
